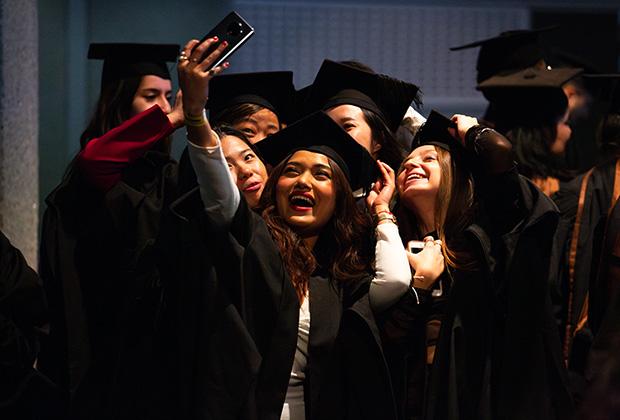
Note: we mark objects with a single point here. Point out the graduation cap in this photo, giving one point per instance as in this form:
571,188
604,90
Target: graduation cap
272,90
318,133
339,84
529,97
123,60
436,131
509,51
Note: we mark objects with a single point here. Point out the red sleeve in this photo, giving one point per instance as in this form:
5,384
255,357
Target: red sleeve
104,158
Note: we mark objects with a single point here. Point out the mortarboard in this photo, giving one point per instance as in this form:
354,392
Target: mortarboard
509,51
436,131
318,133
122,60
338,84
529,97
272,90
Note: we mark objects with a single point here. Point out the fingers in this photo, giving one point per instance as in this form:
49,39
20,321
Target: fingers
184,56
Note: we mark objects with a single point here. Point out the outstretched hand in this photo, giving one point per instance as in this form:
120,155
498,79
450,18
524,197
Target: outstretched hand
193,74
380,195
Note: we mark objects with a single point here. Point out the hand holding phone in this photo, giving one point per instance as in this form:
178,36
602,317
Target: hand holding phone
426,258
234,30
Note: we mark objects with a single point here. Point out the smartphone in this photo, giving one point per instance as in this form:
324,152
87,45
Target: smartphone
233,29
415,247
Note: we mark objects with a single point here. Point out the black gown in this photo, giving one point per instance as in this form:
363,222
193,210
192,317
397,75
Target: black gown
582,282
497,355
97,266
24,392
243,324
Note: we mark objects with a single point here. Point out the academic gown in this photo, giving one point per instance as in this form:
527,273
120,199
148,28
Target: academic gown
97,266
498,351
247,316
582,282
24,392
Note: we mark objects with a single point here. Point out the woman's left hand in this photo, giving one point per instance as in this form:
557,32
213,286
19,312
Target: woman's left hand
380,195
463,124
193,74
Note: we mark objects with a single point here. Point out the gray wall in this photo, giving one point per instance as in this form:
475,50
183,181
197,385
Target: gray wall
19,187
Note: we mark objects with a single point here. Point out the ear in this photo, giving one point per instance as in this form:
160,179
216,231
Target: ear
375,147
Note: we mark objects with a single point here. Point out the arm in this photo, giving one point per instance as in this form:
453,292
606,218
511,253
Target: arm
218,191
104,158
217,188
392,273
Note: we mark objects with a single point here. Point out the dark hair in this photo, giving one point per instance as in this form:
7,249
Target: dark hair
113,108
391,152
343,246
227,130
609,134
532,149
237,113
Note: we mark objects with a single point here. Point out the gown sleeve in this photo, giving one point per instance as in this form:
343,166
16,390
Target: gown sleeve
218,191
392,272
104,158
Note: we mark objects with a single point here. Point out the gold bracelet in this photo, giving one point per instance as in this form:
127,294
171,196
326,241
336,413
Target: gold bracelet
196,121
386,216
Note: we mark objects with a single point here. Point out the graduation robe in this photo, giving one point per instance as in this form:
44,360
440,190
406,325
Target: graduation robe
98,270
245,316
498,351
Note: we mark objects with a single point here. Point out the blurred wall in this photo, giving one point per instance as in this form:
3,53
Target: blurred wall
404,38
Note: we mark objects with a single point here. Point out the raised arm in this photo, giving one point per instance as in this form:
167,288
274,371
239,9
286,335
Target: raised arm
219,194
104,158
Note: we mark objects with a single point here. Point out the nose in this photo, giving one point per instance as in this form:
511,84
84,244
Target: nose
245,171
303,180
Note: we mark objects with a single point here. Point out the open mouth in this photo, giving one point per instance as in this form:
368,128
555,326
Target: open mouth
301,202
413,177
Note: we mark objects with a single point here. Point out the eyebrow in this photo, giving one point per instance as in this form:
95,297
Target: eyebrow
314,166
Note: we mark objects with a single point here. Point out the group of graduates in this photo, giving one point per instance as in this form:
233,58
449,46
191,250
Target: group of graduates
319,253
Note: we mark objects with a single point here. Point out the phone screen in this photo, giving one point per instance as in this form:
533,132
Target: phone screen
415,246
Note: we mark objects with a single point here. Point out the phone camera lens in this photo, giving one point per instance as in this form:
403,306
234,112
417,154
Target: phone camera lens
235,29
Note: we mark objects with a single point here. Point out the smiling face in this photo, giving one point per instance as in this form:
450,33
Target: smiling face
351,119
305,193
259,125
248,170
420,175
151,91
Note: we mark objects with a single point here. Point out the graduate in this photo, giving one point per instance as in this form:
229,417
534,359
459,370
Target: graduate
587,300
531,110
257,104
24,392
98,232
480,342
292,286
368,106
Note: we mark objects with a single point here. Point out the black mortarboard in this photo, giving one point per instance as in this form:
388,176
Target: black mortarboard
273,90
436,131
528,97
338,84
509,51
121,61
318,133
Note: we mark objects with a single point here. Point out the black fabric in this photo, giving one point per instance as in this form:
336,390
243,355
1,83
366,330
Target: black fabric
24,392
319,133
250,334
273,90
498,346
593,278
97,266
124,60
435,131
